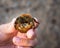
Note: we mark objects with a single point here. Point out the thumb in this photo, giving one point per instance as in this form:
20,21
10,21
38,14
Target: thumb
8,27
11,28
7,31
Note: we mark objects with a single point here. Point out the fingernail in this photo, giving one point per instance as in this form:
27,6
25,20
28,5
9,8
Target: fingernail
13,20
16,40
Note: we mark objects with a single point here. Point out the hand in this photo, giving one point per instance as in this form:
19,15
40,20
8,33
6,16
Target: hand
25,40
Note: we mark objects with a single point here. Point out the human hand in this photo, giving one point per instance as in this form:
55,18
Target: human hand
25,40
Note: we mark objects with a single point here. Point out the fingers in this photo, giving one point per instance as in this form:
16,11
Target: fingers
25,39
23,42
31,34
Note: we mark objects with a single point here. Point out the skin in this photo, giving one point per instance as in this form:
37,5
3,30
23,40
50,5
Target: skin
11,38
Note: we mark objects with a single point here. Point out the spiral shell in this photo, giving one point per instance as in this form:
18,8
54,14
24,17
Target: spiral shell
24,22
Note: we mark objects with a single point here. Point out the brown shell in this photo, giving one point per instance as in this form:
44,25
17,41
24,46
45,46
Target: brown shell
24,22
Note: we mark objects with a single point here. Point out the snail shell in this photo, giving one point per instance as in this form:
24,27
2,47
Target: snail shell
24,22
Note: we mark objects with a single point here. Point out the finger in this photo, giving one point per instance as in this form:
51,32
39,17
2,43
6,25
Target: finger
11,26
8,28
7,31
21,35
31,34
23,42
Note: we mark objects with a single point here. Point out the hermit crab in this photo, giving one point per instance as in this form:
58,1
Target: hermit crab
25,22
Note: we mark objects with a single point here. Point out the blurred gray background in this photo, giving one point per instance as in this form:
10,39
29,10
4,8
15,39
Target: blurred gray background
46,11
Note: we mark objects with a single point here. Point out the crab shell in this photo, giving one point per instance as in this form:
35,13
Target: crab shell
24,22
